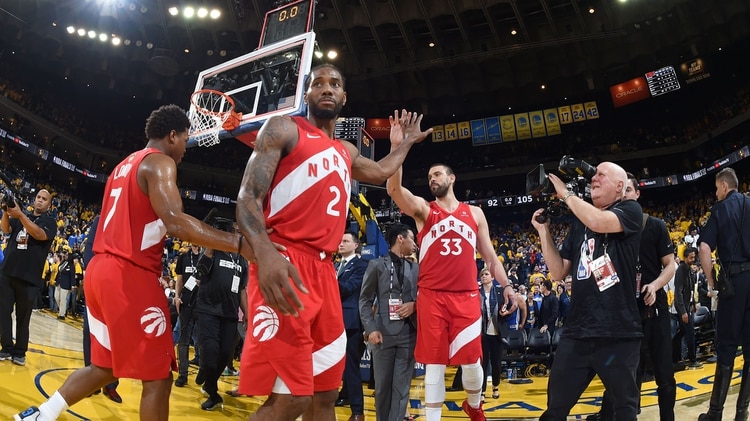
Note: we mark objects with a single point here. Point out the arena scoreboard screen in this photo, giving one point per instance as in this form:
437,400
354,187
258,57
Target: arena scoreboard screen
662,81
286,21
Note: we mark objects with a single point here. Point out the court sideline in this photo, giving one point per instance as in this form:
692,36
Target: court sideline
55,351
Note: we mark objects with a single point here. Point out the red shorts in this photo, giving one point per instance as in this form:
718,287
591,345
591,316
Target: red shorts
307,352
449,327
129,319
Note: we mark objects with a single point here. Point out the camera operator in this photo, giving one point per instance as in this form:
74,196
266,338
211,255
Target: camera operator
603,331
20,273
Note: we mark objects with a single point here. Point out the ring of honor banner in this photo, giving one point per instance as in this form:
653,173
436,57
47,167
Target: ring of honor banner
464,130
438,133
451,132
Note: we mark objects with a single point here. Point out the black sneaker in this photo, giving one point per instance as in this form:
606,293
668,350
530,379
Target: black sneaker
181,381
4,355
213,402
30,414
19,360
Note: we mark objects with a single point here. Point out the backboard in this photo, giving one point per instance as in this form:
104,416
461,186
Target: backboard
264,83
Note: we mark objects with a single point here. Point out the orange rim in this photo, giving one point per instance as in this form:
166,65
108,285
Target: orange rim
231,119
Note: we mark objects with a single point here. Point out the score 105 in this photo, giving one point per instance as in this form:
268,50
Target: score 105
506,201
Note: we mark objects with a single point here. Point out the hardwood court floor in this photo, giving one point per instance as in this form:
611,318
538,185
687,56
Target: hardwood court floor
56,351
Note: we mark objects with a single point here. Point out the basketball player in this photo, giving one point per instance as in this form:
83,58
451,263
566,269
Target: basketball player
449,319
298,182
127,312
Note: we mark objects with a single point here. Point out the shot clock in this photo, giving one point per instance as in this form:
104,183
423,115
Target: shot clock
286,21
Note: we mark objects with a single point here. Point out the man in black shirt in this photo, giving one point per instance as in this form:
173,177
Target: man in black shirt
222,293
684,304
21,271
603,330
656,263
728,231
549,310
185,289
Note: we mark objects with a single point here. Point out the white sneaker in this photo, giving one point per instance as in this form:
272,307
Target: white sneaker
30,414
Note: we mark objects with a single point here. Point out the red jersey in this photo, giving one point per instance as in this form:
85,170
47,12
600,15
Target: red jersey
308,200
129,227
447,244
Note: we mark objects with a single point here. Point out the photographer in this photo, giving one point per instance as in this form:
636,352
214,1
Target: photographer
603,330
20,280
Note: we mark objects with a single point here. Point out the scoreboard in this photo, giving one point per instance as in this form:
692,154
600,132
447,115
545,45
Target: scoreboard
662,81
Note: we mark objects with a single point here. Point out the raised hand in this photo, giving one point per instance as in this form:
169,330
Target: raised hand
406,127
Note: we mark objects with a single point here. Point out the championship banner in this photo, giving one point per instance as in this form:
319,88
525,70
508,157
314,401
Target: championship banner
537,124
566,116
592,110
492,125
629,92
464,130
478,134
508,128
579,113
438,133
522,126
552,122
451,132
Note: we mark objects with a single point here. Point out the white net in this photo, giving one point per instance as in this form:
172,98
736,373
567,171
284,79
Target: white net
207,116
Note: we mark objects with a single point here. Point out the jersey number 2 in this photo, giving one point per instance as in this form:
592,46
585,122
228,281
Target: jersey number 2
336,198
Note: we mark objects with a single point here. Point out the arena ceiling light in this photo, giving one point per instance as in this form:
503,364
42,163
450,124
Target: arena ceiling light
189,12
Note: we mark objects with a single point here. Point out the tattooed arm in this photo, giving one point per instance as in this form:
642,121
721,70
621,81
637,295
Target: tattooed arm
276,138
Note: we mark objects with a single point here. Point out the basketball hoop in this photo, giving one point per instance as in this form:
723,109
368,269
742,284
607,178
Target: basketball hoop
211,111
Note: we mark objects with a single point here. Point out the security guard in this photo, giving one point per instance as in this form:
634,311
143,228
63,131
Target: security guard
223,278
728,232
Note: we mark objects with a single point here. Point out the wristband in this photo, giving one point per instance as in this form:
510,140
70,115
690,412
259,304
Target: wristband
509,285
567,195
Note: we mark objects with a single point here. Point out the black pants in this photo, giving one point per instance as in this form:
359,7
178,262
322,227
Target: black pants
187,324
733,322
656,346
491,357
23,294
352,375
687,331
216,336
576,363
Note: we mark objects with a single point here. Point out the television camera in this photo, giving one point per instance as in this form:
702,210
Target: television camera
8,192
576,173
